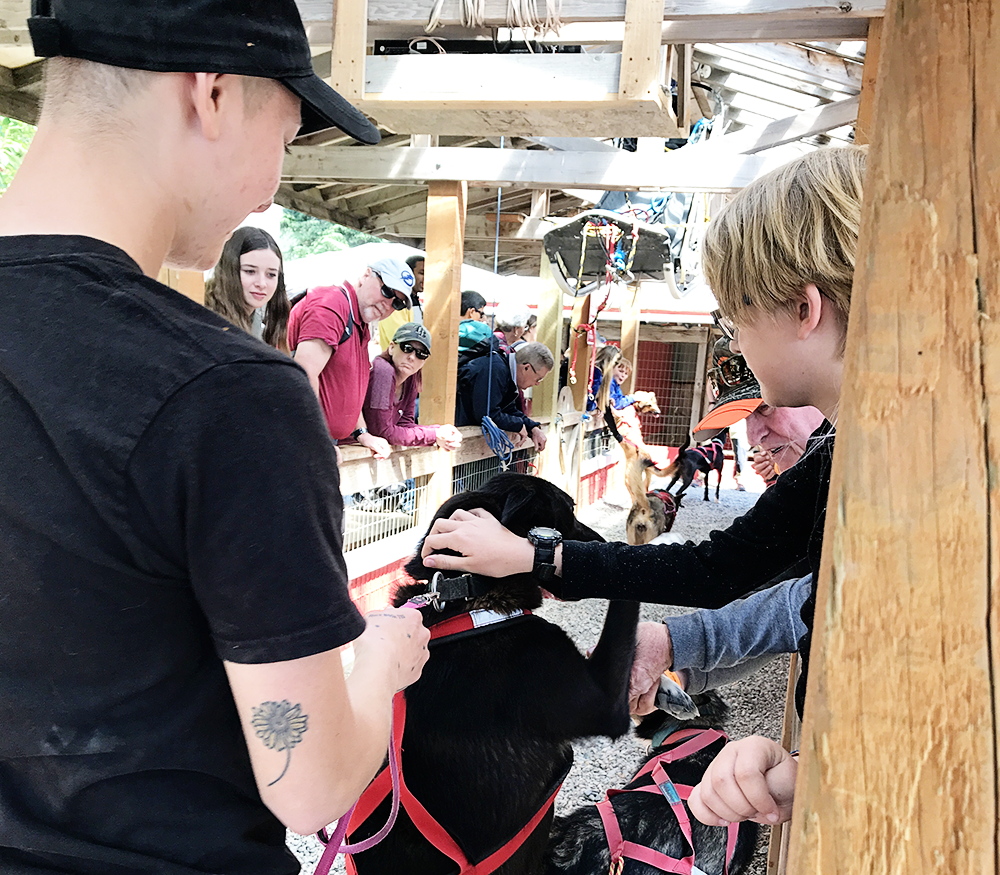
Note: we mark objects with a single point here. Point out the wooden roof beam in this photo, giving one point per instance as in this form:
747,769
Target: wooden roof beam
683,20
532,169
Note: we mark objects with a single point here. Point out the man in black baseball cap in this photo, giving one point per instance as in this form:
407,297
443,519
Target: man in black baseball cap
174,591
244,37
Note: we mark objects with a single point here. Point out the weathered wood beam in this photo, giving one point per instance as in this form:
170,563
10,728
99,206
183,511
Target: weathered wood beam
750,141
605,171
640,57
287,197
784,59
20,105
495,11
892,779
866,108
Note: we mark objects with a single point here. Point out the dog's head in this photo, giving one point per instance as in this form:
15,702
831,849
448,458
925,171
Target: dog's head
520,502
645,402
712,714
651,517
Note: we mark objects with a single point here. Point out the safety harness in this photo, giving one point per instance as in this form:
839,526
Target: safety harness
686,743
669,505
711,453
453,628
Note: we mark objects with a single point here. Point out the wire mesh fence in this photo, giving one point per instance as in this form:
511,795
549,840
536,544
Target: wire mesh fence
384,511
472,475
670,370
596,443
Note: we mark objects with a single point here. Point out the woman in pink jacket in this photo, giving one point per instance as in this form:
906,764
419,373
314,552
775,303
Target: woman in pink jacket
393,386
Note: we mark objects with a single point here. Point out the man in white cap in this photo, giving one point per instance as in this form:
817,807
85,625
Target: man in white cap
328,333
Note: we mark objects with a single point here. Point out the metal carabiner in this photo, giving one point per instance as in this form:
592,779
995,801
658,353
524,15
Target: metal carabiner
434,595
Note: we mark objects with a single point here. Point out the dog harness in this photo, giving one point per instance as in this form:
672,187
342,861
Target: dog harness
669,506
687,742
716,450
380,788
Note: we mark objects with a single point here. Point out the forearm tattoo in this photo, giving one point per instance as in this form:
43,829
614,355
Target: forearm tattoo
280,725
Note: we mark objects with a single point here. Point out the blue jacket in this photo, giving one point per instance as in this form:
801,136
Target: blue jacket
485,385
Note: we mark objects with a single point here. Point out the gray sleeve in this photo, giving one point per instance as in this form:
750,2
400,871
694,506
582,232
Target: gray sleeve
718,647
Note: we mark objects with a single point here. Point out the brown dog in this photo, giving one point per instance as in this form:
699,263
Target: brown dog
652,513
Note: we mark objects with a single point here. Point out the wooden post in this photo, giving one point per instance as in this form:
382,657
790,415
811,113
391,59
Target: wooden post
446,208
581,316
545,396
188,282
640,67
350,37
869,79
630,334
899,743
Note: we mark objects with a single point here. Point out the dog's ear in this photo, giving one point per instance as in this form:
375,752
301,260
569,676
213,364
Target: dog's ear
517,509
463,501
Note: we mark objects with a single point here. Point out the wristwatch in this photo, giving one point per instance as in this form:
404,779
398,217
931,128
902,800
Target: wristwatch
545,541
358,432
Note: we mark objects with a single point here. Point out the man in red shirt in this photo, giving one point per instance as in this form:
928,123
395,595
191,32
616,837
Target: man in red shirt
328,333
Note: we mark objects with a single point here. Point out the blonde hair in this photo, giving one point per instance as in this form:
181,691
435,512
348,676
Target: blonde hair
795,226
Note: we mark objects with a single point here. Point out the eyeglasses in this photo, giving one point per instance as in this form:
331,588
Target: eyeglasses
409,348
397,302
726,325
731,372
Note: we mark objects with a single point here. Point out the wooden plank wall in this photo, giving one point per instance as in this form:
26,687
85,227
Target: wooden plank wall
898,770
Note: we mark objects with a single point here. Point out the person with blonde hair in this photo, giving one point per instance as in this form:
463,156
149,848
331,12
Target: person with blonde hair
174,590
779,259
248,286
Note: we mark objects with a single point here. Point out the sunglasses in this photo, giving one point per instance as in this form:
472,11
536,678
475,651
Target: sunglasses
731,372
397,302
408,348
726,325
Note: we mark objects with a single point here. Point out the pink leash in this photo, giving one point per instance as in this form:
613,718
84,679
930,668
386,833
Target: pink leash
334,844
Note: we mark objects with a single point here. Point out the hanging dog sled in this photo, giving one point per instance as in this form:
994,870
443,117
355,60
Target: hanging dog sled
599,248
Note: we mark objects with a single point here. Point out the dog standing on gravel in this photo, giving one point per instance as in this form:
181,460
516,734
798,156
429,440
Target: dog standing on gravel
705,458
651,828
652,514
489,724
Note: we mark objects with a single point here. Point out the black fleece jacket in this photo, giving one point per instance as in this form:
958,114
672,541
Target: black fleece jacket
783,528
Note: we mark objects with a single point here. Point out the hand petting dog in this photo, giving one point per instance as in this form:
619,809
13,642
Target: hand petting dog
484,545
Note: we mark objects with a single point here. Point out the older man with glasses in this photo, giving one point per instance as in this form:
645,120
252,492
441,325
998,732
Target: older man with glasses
328,331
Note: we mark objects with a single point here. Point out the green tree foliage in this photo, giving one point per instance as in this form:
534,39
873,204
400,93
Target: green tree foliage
15,137
305,235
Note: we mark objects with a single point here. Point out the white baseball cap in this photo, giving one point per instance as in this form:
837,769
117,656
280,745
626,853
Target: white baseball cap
395,274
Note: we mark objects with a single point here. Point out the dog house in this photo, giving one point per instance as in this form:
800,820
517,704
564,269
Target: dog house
898,771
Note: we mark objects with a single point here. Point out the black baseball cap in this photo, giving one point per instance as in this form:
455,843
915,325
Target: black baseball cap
263,38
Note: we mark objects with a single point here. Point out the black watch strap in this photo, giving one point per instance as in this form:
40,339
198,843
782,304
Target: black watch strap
544,567
358,432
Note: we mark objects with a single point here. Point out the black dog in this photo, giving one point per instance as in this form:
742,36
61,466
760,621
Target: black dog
705,458
489,725
579,845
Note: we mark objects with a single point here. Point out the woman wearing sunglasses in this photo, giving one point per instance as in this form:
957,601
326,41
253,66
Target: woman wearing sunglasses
392,393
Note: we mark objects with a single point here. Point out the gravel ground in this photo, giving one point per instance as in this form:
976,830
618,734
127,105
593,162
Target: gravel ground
757,703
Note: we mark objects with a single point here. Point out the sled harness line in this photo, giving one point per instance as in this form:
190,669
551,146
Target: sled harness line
711,454
691,741
469,622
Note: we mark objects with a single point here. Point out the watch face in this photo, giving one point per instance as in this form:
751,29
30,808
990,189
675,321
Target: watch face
543,533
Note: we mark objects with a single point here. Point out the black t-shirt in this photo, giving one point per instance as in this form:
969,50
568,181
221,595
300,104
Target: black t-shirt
780,533
169,499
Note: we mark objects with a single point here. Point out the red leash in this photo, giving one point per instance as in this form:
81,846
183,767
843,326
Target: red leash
423,820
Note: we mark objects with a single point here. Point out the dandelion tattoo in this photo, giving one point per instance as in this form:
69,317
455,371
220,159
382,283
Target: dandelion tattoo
280,726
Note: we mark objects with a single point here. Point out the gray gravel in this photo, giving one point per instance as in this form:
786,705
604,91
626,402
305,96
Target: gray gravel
757,703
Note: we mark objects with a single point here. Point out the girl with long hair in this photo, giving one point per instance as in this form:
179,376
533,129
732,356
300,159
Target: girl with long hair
248,286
